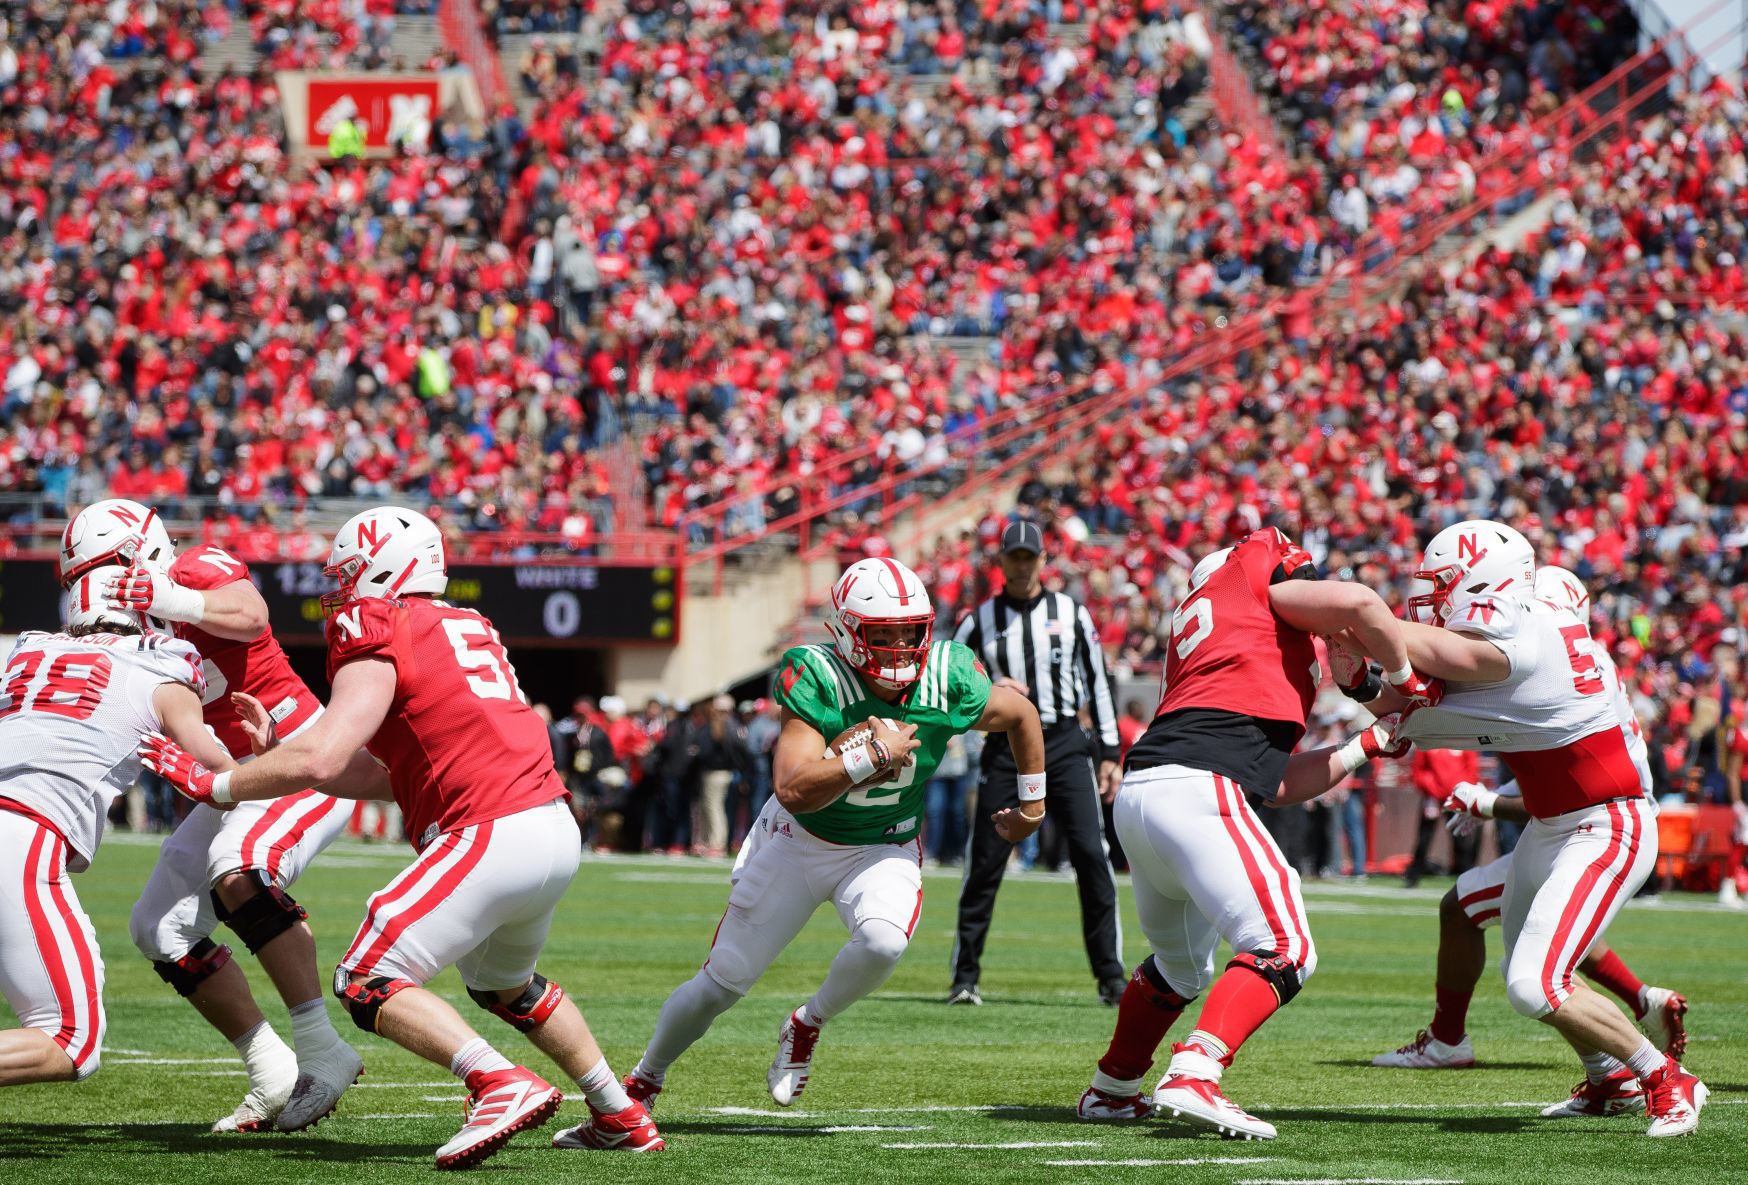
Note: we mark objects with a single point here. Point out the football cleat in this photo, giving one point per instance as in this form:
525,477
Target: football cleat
964,993
1664,1020
1427,1052
1201,1101
1673,1099
500,1103
630,1130
641,1089
787,1077
320,1083
263,1104
1618,1094
1098,1107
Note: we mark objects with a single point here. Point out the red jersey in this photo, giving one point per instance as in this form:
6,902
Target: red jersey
258,666
1238,680
461,744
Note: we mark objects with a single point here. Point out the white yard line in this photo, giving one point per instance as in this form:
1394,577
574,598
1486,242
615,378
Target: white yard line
1149,1164
1014,1145
773,1129
395,1115
176,1061
1351,1181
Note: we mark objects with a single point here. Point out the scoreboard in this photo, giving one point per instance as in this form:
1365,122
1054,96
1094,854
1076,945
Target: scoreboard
532,605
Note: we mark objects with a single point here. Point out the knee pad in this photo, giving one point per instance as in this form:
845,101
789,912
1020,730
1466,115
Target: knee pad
194,968
1528,997
537,1002
881,939
268,913
365,1000
1159,991
1281,972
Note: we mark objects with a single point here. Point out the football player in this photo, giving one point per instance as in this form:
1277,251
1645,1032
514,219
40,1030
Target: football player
844,825
1525,680
1473,905
72,712
424,690
1241,673
234,867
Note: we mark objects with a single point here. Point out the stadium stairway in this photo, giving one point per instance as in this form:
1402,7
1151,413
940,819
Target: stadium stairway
234,50
416,39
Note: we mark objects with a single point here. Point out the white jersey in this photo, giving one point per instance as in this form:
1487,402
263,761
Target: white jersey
1556,720
71,714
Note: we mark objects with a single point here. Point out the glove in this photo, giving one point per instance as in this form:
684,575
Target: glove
1353,674
1417,689
142,590
1472,799
1378,740
177,766
1462,826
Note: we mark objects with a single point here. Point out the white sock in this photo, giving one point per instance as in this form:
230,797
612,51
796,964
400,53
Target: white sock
478,1054
264,1055
866,961
1209,1044
1599,1065
686,1016
602,1089
311,1030
1646,1060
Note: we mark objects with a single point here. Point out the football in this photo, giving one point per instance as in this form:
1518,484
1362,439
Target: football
855,735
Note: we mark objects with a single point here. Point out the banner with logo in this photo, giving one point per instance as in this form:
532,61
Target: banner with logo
390,111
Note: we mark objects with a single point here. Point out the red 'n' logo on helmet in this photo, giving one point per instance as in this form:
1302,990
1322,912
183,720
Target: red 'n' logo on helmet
1469,549
125,515
367,532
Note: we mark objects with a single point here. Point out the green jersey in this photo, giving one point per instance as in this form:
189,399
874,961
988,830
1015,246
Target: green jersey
825,691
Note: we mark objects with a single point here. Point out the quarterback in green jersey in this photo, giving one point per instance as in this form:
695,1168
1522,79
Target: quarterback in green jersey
844,824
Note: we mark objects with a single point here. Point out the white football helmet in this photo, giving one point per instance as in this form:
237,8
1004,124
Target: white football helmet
1472,558
85,608
879,592
1207,566
113,531
386,552
1564,589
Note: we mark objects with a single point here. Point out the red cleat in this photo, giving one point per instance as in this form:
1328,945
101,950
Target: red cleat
499,1104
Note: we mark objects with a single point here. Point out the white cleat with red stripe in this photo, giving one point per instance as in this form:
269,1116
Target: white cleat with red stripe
787,1077
1665,1020
1191,1090
499,1104
321,1081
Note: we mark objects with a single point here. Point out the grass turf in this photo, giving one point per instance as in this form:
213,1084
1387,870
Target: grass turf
901,1069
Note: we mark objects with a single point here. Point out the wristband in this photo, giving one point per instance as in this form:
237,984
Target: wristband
1369,689
859,763
1031,787
1397,678
1353,754
1484,803
176,602
221,788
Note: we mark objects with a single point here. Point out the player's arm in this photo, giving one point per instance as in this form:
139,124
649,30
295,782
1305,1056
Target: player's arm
363,692
363,777
182,718
1473,801
1452,656
1353,611
804,781
1318,771
235,610
1010,712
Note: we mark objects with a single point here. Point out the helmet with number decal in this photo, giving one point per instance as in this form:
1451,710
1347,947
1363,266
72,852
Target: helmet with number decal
1564,589
113,531
1207,566
389,551
1473,558
86,610
881,592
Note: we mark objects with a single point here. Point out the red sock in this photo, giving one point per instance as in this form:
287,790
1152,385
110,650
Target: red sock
1618,978
1238,1004
1450,1015
1143,1016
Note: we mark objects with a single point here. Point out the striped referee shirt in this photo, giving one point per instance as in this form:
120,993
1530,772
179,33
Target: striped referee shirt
1048,643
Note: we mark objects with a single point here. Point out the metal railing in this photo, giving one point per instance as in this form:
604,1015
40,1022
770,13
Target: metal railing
459,21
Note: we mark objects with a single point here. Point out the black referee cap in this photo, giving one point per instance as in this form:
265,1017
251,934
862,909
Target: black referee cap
1022,535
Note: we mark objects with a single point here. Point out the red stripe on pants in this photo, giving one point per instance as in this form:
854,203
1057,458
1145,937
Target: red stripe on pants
434,896
46,945
391,896
1231,804
87,961
258,832
1556,972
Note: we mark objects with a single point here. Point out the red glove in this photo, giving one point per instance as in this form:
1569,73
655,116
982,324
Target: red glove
145,591
1419,690
177,766
1377,740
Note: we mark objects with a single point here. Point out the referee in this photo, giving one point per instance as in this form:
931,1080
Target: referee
1043,645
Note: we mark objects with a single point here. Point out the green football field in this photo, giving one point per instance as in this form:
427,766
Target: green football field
905,1089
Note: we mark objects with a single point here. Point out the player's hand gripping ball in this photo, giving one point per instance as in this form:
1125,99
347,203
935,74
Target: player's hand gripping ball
899,741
